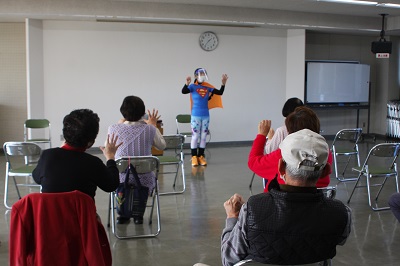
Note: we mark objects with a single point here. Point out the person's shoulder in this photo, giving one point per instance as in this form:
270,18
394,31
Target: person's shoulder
51,151
336,204
258,197
90,157
114,127
281,129
276,153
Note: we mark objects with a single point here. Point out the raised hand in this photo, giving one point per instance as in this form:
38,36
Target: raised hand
264,126
110,147
224,79
188,80
153,117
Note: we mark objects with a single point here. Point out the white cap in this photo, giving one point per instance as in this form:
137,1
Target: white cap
305,145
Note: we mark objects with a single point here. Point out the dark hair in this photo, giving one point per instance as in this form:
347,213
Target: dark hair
301,118
132,108
80,127
290,105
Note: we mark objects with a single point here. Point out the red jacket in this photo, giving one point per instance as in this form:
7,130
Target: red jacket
57,229
266,165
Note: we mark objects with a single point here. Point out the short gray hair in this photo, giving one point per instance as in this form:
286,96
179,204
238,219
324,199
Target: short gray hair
301,174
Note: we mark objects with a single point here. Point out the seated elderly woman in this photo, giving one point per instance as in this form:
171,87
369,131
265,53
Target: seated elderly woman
266,165
138,135
70,168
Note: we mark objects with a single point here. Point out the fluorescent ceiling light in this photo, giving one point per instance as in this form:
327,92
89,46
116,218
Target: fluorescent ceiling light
389,5
368,3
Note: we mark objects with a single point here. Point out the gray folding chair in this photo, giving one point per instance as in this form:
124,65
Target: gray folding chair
21,158
380,163
35,127
174,142
143,164
252,179
345,143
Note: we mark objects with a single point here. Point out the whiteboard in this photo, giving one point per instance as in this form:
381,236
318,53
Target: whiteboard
336,83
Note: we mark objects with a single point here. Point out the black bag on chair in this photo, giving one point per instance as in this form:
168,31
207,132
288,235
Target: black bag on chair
131,198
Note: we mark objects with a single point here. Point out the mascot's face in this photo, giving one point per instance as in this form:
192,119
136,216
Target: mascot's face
201,75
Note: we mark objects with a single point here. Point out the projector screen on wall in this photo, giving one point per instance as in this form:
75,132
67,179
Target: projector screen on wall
336,83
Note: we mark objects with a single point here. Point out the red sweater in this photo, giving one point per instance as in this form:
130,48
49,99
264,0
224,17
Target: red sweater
57,229
266,165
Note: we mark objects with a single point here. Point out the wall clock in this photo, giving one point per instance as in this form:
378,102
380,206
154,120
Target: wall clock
208,41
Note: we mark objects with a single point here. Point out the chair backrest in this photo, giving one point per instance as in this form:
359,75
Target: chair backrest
174,141
41,135
183,119
143,164
49,221
352,135
37,123
384,150
28,150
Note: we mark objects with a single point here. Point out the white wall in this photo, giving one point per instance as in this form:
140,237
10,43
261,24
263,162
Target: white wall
296,47
34,65
95,65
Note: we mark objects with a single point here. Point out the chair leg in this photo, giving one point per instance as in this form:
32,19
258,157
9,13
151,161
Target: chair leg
109,210
336,168
251,181
183,176
176,175
380,189
355,186
345,168
16,187
6,191
152,209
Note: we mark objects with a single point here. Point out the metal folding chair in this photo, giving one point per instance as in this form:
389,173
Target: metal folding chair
329,192
143,164
19,157
345,143
180,120
380,163
252,179
40,126
174,142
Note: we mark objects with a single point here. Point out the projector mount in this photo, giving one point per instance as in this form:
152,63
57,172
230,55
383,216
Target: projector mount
383,28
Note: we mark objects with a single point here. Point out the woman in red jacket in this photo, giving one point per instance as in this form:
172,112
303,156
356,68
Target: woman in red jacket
266,165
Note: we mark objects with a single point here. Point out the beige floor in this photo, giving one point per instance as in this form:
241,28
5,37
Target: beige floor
192,222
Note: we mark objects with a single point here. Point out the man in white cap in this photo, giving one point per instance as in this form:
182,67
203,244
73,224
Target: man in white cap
293,223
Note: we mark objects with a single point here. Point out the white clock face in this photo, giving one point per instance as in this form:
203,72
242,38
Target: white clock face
208,41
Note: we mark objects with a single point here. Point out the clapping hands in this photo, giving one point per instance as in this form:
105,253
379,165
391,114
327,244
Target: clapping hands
153,117
233,205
